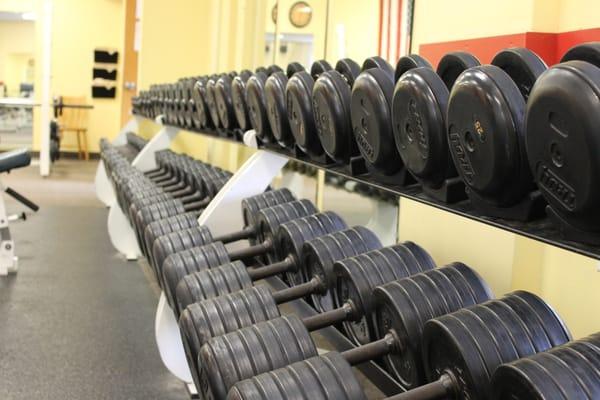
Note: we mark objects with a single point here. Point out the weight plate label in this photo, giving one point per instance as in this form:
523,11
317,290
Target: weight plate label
556,187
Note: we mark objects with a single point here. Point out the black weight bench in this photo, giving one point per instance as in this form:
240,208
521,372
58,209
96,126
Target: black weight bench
14,159
10,160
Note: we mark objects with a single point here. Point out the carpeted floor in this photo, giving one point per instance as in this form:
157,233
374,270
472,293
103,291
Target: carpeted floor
77,320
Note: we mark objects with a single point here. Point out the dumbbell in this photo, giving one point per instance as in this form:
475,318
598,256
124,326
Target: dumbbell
331,105
371,103
199,96
460,351
274,92
178,265
192,186
298,96
489,149
419,124
227,313
561,124
168,208
268,220
567,372
229,277
323,252
224,98
250,207
256,103
462,287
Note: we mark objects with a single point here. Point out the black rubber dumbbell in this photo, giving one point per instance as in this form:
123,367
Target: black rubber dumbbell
570,371
268,220
220,354
256,103
276,105
226,313
371,104
293,234
250,207
486,133
459,351
199,96
419,125
331,105
225,101
298,97
235,276
561,139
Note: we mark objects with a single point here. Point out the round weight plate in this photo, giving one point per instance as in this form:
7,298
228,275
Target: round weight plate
211,102
300,113
522,65
562,122
380,63
349,70
448,346
224,102
331,98
522,382
238,97
588,52
318,67
271,69
406,63
419,124
372,122
486,135
292,68
255,100
453,64
276,109
199,95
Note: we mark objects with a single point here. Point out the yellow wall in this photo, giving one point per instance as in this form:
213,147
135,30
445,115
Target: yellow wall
17,44
176,40
78,27
360,24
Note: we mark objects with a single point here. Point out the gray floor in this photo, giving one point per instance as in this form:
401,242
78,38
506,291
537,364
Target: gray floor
77,320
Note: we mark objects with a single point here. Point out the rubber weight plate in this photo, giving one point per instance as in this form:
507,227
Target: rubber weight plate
211,102
238,97
588,52
372,121
263,347
298,95
419,125
331,98
276,109
522,65
486,135
562,121
406,63
255,98
453,64
224,102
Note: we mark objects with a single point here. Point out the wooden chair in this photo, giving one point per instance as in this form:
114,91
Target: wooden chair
75,120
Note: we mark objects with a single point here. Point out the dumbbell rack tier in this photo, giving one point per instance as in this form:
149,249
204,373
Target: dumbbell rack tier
542,230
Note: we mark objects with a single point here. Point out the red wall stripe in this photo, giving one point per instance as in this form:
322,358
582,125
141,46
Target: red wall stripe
549,46
389,30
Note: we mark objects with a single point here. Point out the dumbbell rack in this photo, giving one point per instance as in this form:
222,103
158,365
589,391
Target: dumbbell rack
542,230
252,178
